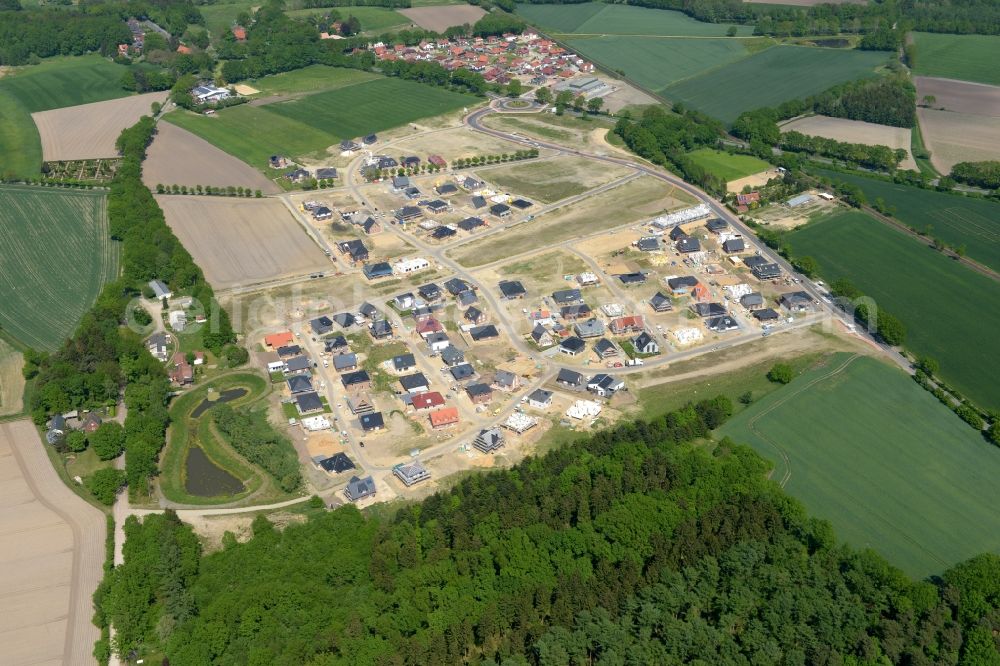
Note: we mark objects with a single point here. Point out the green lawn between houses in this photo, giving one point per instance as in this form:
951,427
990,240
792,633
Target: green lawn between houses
954,218
964,57
902,475
950,311
725,166
56,255
307,126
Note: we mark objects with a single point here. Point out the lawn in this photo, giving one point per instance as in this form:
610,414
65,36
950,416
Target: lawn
55,83
307,126
771,77
615,19
57,254
954,218
725,166
311,79
881,459
949,310
964,57
219,17
373,19
656,62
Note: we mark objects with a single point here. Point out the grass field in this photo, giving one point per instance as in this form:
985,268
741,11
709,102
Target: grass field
726,166
55,83
771,77
955,219
608,19
311,79
307,126
373,19
949,310
11,379
964,57
902,475
656,62
547,181
56,256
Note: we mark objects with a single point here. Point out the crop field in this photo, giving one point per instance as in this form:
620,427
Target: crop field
57,254
903,475
11,379
440,18
855,131
963,57
656,62
90,130
311,79
240,242
547,181
948,309
955,219
726,166
178,157
307,126
635,200
771,77
959,137
608,19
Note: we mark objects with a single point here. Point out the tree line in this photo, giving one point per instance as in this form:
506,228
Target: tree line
881,158
978,174
630,546
104,360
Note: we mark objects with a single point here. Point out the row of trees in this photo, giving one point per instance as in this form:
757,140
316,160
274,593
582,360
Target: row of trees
978,174
211,190
632,546
478,160
880,158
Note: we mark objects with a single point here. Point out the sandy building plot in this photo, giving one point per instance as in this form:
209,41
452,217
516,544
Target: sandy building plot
961,122
178,157
51,556
240,242
89,130
452,144
443,17
855,131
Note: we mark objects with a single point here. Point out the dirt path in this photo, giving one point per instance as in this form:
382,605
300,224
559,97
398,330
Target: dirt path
51,557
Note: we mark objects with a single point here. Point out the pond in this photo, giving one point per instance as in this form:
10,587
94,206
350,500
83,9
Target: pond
206,479
224,396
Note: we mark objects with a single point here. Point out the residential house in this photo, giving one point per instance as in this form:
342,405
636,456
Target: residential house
752,301
157,346
344,319
500,210
682,284
371,421
404,362
359,489
479,393
415,383
489,440
371,226
276,340
368,311
480,333
355,249
429,292
445,188
452,356
306,403
182,372
428,326
648,244
335,344
380,329
541,336
299,384
645,344
357,381
456,286
345,362
567,296
470,224
322,213
630,324
572,346
296,365
478,202
474,315
605,385
438,206
721,324
444,417
438,342
591,328
761,268
605,349
677,233
411,473
708,309
408,214
403,302
160,290
462,371
512,289
288,351
688,245
716,225
505,380
56,430
796,301
321,325
427,400
400,183
570,379
335,464
575,312
467,298
660,302
734,246
443,232
521,204
540,399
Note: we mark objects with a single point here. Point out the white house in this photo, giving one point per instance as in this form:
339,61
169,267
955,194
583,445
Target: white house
582,409
686,336
313,423
177,320
160,289
208,93
737,291
410,265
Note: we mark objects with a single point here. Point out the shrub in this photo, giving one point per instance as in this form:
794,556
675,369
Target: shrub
105,484
781,373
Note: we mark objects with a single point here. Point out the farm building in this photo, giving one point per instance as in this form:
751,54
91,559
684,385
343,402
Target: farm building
207,94
160,290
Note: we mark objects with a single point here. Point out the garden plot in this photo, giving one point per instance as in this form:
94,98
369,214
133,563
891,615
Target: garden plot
239,242
90,130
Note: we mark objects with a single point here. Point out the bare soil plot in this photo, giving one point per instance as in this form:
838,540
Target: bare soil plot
754,180
90,130
452,144
855,131
962,123
51,556
239,242
11,379
549,181
441,18
178,157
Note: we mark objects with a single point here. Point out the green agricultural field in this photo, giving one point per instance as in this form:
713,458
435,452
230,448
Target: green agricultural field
219,17
771,77
902,475
20,144
955,219
964,57
311,79
656,62
608,19
725,166
57,254
949,310
307,126
373,19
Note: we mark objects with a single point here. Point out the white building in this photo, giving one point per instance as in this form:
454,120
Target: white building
582,409
410,265
313,423
519,422
686,336
613,309
587,279
177,319
737,291
207,93
682,216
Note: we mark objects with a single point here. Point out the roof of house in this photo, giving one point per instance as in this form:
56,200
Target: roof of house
308,402
708,309
643,340
354,378
337,463
767,314
723,323
336,342
648,244
590,328
300,383
278,339
462,371
573,344
381,327
541,396
512,288
632,278
499,209
456,286
681,281
371,421
473,314
288,350
660,301
297,364
756,298
403,362
470,223
734,245
321,324
483,332
504,378
603,347
467,297
344,319
413,382
429,291
570,377
444,416
452,355
716,224
478,389
564,296
688,245
427,399
342,361
360,488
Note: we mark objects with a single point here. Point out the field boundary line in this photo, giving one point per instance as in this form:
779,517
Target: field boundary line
752,423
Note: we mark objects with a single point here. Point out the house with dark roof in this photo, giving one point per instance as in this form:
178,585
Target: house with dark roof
605,385
288,351
489,440
645,344
356,382
541,336
400,183
796,301
575,312
299,384
306,403
540,399
676,233
321,213
345,362
708,309
369,139
648,244
368,311
682,284
378,270
761,268
591,328
572,346
404,362
716,225
505,380
567,296
380,329
355,249
371,421
478,202
411,473
604,348
336,464
629,279
326,173
734,246
521,204
766,314
452,356
471,224
371,226
359,489
296,364
479,393
335,344
512,289
429,292
500,210
688,245
471,183
570,379
467,297
752,301
480,333
721,324
462,371
415,383
456,286
57,428
438,206
321,325
446,188
409,213
443,232
474,315
660,302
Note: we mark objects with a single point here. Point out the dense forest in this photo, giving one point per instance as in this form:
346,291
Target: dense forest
978,174
632,546
104,358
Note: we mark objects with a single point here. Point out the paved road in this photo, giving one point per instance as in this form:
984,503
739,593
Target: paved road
45,591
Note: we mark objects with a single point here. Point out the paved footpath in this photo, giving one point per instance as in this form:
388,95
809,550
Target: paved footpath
51,557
